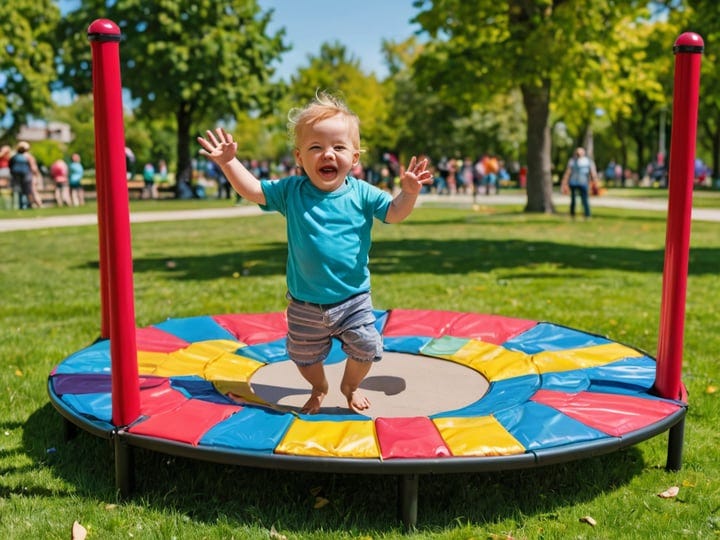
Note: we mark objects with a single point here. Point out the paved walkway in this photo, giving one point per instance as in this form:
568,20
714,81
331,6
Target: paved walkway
48,222
698,214
42,222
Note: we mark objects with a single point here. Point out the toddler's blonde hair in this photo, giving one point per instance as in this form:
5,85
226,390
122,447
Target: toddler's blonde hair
322,107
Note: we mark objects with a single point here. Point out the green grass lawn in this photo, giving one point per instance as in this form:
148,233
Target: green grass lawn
702,197
603,276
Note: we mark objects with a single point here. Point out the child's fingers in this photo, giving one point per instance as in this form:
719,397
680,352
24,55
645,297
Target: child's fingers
223,136
211,136
206,145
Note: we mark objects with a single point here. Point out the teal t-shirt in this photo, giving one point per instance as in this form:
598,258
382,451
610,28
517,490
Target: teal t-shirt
328,235
75,173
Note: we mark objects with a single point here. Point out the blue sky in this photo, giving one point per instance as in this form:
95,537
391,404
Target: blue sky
360,25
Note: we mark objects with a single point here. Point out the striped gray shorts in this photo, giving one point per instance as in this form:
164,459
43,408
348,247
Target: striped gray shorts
311,328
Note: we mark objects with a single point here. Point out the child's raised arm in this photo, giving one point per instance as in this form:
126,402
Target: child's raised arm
221,149
412,180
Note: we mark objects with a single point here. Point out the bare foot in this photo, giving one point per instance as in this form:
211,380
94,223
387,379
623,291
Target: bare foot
313,404
354,374
357,401
315,375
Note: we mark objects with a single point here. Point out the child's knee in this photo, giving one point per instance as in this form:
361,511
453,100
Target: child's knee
363,343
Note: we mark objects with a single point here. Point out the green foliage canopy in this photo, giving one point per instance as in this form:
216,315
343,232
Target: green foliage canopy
27,69
703,17
486,47
198,60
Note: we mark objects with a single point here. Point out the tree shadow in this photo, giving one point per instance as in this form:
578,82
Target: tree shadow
441,257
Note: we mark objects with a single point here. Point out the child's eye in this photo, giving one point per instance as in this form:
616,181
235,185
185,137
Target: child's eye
340,148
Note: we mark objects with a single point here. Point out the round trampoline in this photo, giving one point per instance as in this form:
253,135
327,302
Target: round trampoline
452,388
455,392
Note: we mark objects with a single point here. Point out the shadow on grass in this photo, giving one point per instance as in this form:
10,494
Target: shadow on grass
208,492
437,257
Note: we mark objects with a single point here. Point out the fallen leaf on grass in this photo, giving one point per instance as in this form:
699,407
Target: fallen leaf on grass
78,532
320,502
111,506
669,493
589,520
276,535
711,389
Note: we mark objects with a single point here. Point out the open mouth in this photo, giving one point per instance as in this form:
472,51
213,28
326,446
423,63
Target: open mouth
328,171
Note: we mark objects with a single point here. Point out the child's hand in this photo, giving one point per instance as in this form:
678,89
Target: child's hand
417,174
221,149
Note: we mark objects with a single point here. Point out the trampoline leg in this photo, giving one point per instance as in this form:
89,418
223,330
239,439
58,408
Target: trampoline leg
408,499
124,467
676,436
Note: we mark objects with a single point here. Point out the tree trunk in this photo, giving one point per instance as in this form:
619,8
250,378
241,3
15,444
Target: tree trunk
183,176
714,136
715,155
539,179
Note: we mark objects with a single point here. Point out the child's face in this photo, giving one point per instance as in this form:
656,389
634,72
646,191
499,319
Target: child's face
326,151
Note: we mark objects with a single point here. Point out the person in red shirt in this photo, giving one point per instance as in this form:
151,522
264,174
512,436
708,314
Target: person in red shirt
59,174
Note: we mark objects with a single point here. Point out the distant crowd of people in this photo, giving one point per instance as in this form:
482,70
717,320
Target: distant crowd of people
483,175
151,178
19,170
486,174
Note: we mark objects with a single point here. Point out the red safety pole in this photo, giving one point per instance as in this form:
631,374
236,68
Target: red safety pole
114,221
101,180
688,50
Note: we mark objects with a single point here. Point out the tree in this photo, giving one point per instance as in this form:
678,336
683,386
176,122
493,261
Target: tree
264,137
200,61
703,17
79,116
27,69
628,85
421,118
487,47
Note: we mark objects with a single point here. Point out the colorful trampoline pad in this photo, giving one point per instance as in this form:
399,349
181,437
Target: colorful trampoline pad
329,438
252,429
194,329
552,337
549,387
435,323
